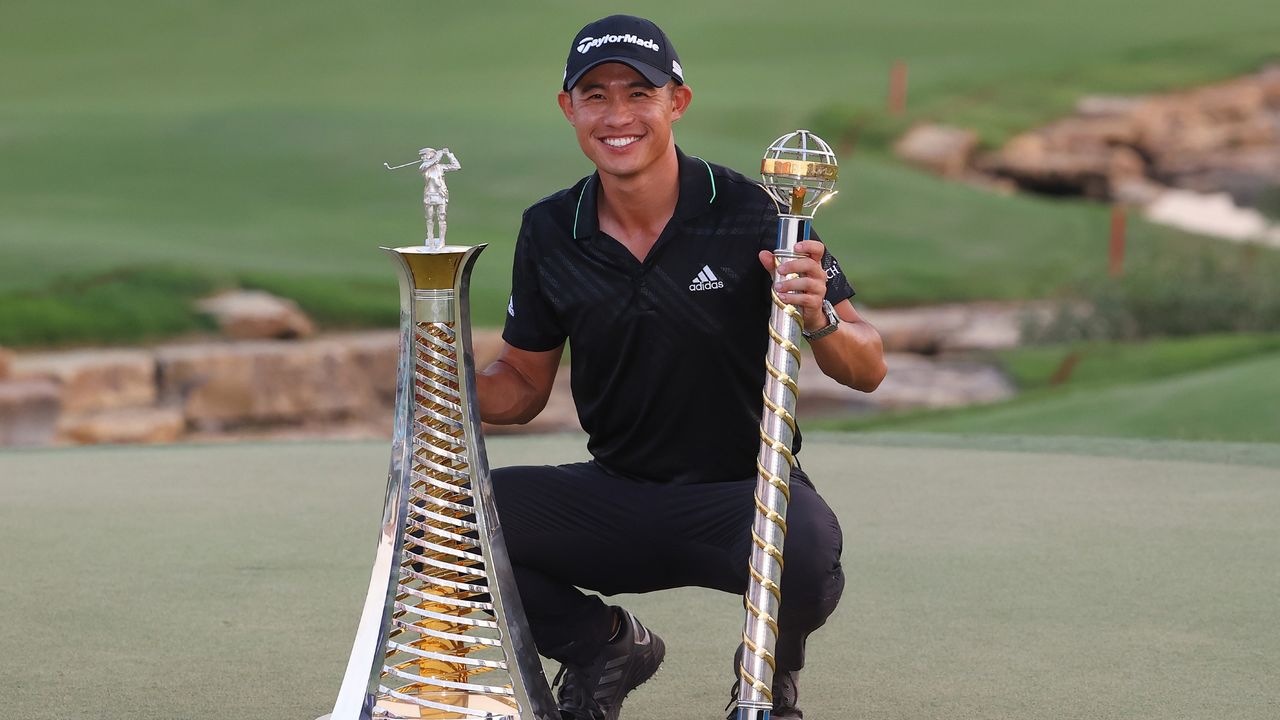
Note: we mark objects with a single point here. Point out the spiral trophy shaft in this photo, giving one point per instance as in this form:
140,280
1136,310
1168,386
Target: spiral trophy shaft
799,171
442,634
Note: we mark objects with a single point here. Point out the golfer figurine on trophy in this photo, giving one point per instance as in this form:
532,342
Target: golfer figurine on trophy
435,195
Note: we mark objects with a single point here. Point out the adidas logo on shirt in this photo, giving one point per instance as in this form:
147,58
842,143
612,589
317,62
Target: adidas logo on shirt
706,280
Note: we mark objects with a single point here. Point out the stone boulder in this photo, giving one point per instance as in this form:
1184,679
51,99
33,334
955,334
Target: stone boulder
28,412
376,354
128,426
257,315
916,382
6,362
940,149
912,382
1076,156
954,327
226,385
94,380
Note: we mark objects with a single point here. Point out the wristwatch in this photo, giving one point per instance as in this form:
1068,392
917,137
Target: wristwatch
833,320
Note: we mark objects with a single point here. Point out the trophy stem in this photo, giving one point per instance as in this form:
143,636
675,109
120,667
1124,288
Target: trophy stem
442,633
773,467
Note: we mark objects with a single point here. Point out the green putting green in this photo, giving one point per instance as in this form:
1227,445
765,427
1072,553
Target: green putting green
991,577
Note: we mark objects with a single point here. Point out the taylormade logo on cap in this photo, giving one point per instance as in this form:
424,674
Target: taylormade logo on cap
586,43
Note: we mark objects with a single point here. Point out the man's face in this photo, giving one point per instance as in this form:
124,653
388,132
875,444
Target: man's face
622,122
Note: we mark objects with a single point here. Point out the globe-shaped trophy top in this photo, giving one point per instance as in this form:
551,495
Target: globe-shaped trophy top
799,171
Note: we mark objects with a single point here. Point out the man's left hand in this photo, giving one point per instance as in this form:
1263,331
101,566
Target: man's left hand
804,282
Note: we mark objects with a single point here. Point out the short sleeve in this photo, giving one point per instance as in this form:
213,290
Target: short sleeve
531,320
838,286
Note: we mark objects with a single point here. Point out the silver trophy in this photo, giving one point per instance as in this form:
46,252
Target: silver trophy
443,633
799,172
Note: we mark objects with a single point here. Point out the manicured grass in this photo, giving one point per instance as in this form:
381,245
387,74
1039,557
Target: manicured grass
1101,364
245,140
194,583
1151,391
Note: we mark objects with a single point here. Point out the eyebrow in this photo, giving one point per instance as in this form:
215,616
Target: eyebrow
600,86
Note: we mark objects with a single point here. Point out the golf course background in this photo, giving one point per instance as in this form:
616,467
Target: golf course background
151,150
152,153
1032,559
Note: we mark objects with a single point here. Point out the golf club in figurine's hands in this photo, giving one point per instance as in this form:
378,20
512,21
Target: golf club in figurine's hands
799,171
442,633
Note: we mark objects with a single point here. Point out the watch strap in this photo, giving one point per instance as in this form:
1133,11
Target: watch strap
833,321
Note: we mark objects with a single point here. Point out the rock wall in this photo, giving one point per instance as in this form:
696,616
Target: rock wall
343,385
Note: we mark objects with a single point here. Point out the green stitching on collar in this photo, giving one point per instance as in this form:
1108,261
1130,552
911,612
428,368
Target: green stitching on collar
713,179
577,209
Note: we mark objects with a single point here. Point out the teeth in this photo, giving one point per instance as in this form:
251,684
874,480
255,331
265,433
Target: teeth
621,142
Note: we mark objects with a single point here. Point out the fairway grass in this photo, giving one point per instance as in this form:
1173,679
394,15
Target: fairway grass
1234,401
245,140
203,583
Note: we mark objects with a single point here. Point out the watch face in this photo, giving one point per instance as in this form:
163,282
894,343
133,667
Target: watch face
833,320
830,310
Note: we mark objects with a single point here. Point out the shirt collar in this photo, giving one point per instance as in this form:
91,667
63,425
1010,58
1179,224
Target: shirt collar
697,193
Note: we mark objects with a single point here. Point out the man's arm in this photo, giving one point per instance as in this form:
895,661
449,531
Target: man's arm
515,388
853,355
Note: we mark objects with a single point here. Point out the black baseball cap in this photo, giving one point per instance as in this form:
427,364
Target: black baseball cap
627,39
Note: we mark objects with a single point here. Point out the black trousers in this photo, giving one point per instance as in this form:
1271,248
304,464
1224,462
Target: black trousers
579,526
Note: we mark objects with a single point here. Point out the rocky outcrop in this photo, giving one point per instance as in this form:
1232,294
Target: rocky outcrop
94,380
29,412
1223,137
132,425
343,385
940,149
956,327
226,385
257,315
912,382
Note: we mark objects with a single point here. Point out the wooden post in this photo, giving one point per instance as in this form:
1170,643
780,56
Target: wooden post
1115,266
898,87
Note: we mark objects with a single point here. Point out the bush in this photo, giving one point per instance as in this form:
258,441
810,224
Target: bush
1177,294
132,305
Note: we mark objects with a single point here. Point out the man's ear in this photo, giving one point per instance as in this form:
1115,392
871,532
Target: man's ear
681,96
566,105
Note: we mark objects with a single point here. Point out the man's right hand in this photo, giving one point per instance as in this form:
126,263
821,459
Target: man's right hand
515,388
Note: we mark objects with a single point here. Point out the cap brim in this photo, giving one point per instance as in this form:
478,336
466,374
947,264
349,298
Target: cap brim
656,77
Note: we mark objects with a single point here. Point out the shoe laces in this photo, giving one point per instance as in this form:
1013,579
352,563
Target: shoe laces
574,700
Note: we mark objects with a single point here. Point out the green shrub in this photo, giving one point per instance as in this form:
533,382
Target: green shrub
1231,289
131,305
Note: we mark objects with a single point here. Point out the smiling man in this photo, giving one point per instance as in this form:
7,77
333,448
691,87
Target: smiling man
656,269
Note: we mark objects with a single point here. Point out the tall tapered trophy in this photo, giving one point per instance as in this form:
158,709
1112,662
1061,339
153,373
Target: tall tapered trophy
799,171
443,634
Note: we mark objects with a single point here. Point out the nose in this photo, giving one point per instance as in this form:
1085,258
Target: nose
619,113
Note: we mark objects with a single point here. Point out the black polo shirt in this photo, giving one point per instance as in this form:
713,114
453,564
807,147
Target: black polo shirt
667,354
